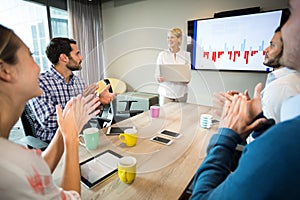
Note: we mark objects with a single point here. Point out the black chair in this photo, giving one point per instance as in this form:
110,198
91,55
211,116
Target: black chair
110,115
30,139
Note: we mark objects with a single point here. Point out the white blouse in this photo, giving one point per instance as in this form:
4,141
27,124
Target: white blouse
172,89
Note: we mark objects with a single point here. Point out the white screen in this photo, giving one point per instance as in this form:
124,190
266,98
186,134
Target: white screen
99,167
234,43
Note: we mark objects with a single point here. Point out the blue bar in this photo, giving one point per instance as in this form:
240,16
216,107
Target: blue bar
261,48
243,45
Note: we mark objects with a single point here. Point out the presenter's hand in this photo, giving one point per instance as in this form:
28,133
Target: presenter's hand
161,79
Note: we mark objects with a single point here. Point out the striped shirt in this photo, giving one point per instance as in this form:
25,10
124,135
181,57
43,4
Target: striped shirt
56,92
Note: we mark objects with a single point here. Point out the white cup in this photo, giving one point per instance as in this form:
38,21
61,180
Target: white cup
206,121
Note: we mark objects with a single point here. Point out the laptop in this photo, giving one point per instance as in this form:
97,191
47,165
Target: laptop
176,72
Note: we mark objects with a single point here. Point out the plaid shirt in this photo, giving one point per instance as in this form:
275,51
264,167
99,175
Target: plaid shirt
56,92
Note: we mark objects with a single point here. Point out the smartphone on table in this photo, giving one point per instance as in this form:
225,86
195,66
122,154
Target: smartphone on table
171,134
161,140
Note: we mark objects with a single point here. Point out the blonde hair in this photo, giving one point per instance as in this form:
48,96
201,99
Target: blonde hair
176,31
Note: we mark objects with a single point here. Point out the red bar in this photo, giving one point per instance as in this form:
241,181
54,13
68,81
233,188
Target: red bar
230,55
220,53
236,53
246,56
214,56
206,54
254,52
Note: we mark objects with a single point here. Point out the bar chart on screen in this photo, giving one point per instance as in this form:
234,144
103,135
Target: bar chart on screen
234,43
233,55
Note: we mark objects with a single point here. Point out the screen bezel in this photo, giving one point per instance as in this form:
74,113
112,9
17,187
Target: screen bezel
191,33
86,182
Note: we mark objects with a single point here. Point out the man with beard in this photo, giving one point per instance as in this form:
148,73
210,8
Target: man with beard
59,85
269,167
281,84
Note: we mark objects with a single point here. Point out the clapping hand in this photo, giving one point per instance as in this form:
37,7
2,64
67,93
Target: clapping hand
105,96
220,98
91,89
239,112
78,111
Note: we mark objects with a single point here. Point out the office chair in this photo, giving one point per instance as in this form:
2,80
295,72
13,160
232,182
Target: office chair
28,120
112,114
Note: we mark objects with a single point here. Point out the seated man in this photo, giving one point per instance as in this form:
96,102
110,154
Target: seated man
281,84
269,166
59,84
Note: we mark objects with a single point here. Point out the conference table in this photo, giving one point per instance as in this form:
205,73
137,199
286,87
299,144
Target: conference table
163,172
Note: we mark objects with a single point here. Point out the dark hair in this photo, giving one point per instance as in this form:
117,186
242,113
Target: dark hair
9,44
59,46
285,16
278,29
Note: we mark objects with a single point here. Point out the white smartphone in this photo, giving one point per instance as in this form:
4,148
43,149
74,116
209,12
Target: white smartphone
171,134
161,140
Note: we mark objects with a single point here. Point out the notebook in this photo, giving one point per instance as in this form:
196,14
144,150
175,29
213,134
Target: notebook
176,72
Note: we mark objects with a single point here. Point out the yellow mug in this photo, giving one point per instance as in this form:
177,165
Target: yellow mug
127,169
129,137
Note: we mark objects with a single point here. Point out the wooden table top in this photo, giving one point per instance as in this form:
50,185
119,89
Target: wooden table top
163,172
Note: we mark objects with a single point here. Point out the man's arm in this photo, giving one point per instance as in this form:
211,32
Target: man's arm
236,122
216,166
44,110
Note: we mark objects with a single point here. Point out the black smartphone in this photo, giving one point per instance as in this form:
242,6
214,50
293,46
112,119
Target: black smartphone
161,140
117,130
171,134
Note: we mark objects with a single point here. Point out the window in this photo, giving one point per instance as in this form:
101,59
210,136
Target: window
29,21
59,22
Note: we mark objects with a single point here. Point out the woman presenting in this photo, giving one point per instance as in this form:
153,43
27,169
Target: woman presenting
172,91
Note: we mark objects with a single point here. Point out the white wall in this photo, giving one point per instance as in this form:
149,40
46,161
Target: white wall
135,33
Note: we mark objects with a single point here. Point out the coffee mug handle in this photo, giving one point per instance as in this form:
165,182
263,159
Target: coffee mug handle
83,144
122,138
